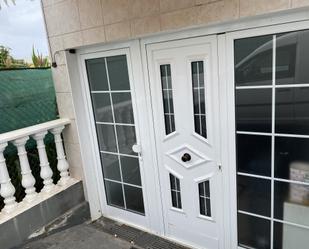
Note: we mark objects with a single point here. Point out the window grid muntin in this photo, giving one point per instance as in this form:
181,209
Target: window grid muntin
118,154
200,88
273,134
176,190
169,117
205,198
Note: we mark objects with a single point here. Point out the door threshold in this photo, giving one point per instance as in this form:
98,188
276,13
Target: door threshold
138,238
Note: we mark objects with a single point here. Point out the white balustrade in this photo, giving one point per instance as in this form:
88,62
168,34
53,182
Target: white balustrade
19,139
7,189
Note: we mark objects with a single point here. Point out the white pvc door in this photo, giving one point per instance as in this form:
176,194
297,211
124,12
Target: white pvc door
184,89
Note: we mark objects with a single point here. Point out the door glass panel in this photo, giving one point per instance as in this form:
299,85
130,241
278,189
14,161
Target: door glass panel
113,113
167,94
175,192
198,88
281,113
204,198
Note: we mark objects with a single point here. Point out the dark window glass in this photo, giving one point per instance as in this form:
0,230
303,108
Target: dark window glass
130,170
198,91
292,110
107,138
114,193
126,139
110,164
134,198
291,202
167,96
118,72
175,191
204,197
254,154
102,107
292,158
123,110
253,61
254,195
289,236
292,58
97,77
253,232
253,110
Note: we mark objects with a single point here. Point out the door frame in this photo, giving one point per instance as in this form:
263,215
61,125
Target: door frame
229,158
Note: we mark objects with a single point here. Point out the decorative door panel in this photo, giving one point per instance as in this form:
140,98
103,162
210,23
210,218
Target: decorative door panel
184,89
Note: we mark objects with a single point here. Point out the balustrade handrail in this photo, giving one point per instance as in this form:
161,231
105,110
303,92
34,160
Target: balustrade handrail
19,139
30,130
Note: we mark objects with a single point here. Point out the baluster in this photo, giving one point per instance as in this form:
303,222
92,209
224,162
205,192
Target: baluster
62,165
7,189
28,180
46,172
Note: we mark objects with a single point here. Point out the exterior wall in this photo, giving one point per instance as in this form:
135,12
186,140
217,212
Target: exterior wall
75,23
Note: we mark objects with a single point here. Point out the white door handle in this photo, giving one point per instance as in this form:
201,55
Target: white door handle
137,148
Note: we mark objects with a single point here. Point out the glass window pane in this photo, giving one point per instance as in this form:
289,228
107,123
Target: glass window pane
123,110
292,110
253,232
114,193
292,58
126,139
130,170
175,191
204,197
97,77
102,107
134,198
110,164
254,154
292,202
107,138
253,61
289,236
292,158
254,195
253,110
118,72
167,95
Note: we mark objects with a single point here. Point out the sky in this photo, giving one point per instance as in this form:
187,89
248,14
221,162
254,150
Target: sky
21,27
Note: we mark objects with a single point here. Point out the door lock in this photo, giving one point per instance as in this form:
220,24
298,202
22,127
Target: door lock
186,157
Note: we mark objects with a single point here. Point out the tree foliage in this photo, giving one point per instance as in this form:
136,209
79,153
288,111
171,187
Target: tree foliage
38,60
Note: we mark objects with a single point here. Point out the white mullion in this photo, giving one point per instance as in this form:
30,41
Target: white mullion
253,87
116,154
273,105
255,215
109,123
270,134
253,133
292,85
254,176
115,130
129,184
112,91
168,98
199,97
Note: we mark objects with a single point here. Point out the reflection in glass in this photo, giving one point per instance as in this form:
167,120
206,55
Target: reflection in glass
134,198
130,170
253,61
254,195
253,110
107,138
198,90
97,76
118,72
204,197
254,154
167,95
175,191
253,232
114,193
292,58
292,110
110,165
102,107
126,139
123,109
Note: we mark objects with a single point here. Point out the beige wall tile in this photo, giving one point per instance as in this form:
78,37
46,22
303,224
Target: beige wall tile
65,105
59,57
72,40
178,19
145,25
218,11
93,36
169,5
141,8
56,43
70,133
198,2
118,31
62,17
256,7
73,154
61,80
90,13
115,10
300,3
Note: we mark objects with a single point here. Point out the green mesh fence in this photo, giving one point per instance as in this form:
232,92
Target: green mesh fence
27,97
